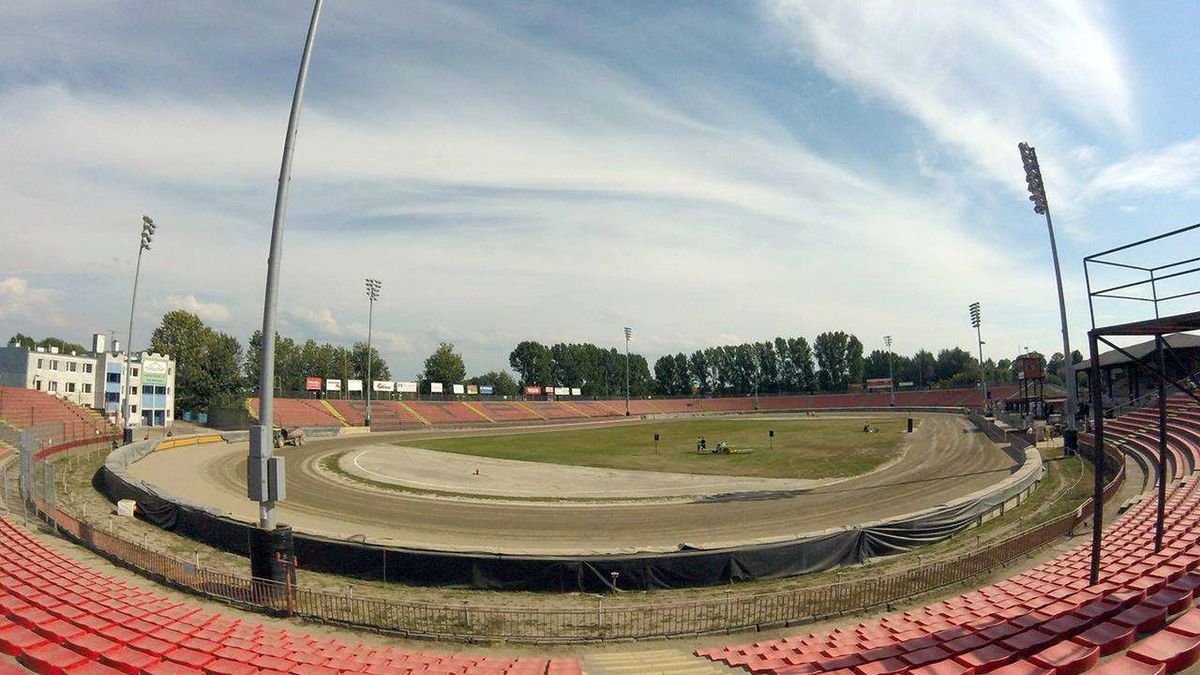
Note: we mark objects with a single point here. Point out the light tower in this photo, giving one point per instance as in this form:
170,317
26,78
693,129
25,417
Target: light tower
628,335
373,288
1037,195
887,341
148,228
975,322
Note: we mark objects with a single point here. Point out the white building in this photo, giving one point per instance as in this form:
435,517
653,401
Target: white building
93,379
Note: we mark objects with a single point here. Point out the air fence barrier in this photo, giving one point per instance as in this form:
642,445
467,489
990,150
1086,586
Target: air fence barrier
465,622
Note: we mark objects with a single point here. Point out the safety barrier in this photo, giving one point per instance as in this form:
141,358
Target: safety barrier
466,622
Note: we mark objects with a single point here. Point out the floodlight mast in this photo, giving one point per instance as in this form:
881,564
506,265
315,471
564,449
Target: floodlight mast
975,323
148,228
373,288
628,334
261,434
887,341
1037,195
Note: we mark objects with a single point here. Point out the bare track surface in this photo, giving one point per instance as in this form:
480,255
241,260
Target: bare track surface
947,459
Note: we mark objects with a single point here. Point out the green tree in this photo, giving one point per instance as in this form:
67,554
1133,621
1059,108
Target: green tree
22,340
664,375
532,363
854,361
207,362
830,351
698,365
444,365
924,368
802,361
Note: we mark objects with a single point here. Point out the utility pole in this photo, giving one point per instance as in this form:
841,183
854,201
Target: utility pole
1037,195
975,322
628,334
373,287
148,228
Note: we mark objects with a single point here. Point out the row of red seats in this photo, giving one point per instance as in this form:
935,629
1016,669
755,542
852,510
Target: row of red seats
21,408
303,412
58,617
1046,620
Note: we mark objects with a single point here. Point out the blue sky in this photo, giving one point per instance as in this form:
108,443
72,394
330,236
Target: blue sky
705,172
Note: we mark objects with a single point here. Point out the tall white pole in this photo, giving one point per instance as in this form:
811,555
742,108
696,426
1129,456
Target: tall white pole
261,435
628,332
125,407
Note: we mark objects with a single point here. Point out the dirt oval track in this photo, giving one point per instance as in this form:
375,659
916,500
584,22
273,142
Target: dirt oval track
947,459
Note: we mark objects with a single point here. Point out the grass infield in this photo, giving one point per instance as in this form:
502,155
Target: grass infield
802,448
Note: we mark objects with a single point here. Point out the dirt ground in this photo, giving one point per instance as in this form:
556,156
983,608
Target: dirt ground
947,458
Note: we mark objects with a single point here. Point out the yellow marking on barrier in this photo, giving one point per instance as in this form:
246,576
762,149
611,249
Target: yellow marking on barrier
531,410
188,440
333,411
414,413
571,407
479,412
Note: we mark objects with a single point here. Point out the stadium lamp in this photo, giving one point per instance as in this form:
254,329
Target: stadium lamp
887,341
373,288
1037,195
147,236
976,320
628,335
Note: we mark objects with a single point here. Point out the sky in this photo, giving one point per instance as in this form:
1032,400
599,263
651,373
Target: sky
704,172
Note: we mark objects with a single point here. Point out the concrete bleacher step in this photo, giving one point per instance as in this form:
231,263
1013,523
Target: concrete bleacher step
650,662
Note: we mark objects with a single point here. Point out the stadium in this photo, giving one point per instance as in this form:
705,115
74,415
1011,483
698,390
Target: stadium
204,506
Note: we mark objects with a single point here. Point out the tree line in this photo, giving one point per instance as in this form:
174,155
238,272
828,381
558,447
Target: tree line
213,369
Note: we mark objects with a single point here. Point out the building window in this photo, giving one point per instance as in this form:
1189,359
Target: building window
40,364
53,364
114,377
37,384
133,408
87,367
112,397
53,387
134,373
72,366
87,388
133,391
70,387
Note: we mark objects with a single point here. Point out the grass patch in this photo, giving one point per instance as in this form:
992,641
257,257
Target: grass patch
803,448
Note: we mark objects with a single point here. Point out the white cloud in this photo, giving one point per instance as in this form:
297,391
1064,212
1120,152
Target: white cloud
319,321
1175,169
211,312
978,75
20,301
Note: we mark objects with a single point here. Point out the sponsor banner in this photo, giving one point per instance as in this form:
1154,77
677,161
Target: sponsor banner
907,384
879,383
154,371
312,384
406,387
458,388
333,385
354,385
473,389
562,391
384,385
533,391
576,391
486,389
435,387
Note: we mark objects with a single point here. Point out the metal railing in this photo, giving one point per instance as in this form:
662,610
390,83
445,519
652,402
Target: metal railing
537,625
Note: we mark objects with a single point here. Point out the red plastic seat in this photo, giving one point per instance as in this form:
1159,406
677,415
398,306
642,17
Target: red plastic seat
1022,668
1109,637
1123,665
1067,657
1174,650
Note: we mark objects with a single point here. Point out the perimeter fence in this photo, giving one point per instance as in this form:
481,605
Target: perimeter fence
465,622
